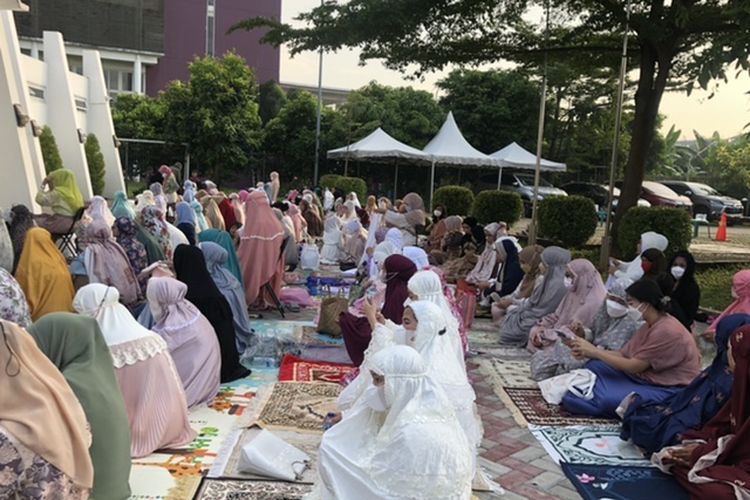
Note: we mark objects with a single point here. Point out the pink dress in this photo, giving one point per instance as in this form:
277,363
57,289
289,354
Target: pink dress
153,393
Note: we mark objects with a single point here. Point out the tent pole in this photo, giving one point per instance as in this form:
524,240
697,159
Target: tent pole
395,183
432,184
499,177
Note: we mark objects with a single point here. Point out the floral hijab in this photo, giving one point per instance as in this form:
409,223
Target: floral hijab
134,249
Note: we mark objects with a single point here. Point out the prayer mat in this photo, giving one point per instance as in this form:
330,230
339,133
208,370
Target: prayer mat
217,489
507,373
585,445
529,407
622,482
297,406
310,337
294,369
505,353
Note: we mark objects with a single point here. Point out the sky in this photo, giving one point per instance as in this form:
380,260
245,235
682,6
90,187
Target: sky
727,112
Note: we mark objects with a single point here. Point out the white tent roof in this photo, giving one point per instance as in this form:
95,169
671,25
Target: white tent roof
379,145
449,147
514,156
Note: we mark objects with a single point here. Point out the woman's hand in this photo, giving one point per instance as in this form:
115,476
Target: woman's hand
582,348
536,338
577,328
371,313
380,318
681,455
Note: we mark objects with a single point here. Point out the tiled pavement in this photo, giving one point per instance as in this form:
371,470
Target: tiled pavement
513,457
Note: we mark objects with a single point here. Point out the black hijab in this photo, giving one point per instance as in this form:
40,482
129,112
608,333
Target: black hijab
687,293
511,272
21,220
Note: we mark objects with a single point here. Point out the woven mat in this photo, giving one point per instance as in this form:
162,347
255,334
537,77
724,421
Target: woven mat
219,489
503,373
622,482
297,406
529,407
294,369
584,445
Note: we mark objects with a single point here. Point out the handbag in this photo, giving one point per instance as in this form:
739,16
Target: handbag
270,456
579,382
310,257
330,310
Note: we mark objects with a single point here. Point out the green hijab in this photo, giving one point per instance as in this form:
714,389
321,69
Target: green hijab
121,207
154,252
76,346
64,184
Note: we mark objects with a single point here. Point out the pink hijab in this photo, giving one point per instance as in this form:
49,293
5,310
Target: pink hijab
741,305
107,263
297,220
260,247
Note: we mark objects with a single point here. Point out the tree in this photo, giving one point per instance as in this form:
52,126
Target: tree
216,113
271,98
681,44
95,160
727,167
50,153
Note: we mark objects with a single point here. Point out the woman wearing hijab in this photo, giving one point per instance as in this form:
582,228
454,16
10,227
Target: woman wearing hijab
6,246
152,220
106,262
224,240
185,221
436,229
190,267
98,209
63,198
450,245
713,462
75,345
659,359
519,321
654,426
356,330
741,304
144,200
146,375
354,242
169,184
632,271
190,337
332,250
418,256
457,269
189,198
211,211
43,275
482,271
654,265
509,273
260,251
583,300
21,220
160,201
13,304
686,294
410,219
227,211
611,329
300,225
216,259
312,219
402,441
128,240
44,435
291,250
121,206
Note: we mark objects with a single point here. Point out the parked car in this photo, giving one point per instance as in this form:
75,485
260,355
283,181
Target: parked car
660,195
598,193
707,200
521,182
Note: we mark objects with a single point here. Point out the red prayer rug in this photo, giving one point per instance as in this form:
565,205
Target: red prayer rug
294,369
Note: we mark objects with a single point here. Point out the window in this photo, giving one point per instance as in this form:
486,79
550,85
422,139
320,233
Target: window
26,52
118,80
210,27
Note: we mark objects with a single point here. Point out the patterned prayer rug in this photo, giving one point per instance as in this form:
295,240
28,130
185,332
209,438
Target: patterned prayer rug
298,406
507,372
294,369
583,445
622,482
217,489
529,407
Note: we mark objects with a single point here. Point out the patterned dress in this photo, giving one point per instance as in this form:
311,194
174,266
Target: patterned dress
13,304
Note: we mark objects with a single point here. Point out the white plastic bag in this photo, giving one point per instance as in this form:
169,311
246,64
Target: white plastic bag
579,382
270,456
310,257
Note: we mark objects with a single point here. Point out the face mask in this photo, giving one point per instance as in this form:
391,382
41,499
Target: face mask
678,272
635,313
374,398
568,283
615,309
437,213
646,266
382,205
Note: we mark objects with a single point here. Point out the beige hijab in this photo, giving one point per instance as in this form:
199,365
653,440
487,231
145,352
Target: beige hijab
39,409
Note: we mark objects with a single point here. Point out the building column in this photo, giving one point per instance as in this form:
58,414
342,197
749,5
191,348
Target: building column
137,69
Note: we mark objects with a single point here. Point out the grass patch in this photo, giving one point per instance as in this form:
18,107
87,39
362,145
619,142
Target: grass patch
716,285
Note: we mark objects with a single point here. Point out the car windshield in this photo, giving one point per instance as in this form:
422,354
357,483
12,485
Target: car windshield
703,190
528,180
659,189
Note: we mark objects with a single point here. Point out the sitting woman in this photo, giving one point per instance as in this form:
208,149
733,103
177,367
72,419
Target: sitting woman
127,237
224,240
152,220
191,339
13,304
436,229
712,462
450,245
654,265
146,375
611,329
62,197
185,221
517,324
200,220
659,359
482,271
402,440
686,294
656,425
576,311
44,434
332,241
741,304
312,220
106,262
633,270
75,345
98,209
121,207
21,220
508,275
409,220
355,238
43,275
530,260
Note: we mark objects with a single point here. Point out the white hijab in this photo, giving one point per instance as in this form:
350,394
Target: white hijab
632,271
394,236
427,286
418,256
98,209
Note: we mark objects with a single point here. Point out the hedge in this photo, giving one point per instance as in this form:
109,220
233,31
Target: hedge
345,184
50,153
674,223
494,206
569,220
95,160
457,200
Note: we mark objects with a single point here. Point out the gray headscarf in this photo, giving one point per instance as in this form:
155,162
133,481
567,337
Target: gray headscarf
543,300
6,247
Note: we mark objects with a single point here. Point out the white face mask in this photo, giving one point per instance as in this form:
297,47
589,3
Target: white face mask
437,213
374,398
678,272
635,313
734,293
568,283
382,205
615,309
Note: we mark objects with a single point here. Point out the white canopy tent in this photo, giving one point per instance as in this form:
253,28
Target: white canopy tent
514,156
379,146
449,147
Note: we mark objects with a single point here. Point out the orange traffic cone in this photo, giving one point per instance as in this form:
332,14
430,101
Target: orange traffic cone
721,233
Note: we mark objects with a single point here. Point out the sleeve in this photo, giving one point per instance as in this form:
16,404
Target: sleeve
660,350
46,198
396,219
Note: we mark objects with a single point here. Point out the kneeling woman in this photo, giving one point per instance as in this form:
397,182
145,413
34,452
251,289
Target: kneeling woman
661,357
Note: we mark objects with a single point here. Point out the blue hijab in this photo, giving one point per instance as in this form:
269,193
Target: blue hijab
654,426
224,240
184,214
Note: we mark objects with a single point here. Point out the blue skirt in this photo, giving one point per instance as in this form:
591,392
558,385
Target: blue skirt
612,386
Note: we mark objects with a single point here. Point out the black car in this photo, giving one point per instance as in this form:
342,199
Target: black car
707,200
597,193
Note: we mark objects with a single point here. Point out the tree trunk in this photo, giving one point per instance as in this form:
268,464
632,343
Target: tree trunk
654,72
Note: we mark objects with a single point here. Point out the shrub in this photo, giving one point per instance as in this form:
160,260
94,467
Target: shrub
674,223
569,220
50,153
345,184
716,286
95,160
494,206
457,200
329,181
